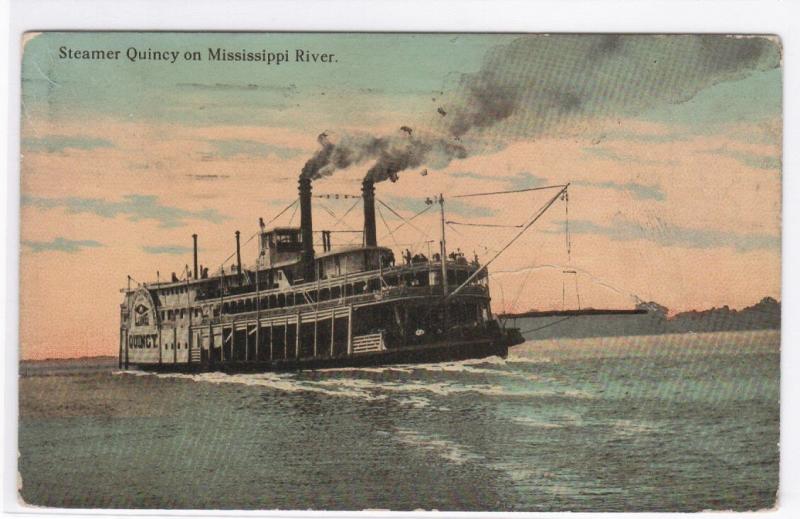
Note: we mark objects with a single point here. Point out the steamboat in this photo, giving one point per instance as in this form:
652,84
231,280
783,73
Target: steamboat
300,308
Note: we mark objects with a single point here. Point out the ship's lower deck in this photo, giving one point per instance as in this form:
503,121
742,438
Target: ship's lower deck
375,332
410,354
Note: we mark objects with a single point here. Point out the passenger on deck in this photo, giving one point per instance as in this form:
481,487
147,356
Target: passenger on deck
388,260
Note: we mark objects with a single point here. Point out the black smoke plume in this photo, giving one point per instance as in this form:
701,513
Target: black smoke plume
539,85
391,153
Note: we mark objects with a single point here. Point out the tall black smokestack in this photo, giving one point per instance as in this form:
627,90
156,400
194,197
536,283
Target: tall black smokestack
238,256
368,194
194,238
306,228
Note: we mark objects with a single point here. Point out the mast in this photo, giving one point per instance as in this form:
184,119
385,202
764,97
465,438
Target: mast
258,306
443,247
444,268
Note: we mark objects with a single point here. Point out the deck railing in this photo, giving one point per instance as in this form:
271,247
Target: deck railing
368,343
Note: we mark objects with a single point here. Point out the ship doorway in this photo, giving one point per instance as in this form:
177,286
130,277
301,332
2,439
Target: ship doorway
278,345
240,345
340,335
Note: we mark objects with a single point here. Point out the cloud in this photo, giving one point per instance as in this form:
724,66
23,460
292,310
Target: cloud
673,236
653,138
60,143
639,191
752,160
750,101
241,147
609,154
286,90
135,207
521,180
60,244
175,250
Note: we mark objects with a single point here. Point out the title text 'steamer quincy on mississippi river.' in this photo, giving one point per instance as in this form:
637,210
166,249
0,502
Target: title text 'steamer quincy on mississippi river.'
134,54
302,308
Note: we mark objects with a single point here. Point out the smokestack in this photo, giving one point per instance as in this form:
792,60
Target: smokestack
194,238
306,228
238,256
368,194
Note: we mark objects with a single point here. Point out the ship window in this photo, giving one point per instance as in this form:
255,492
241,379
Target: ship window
336,292
325,294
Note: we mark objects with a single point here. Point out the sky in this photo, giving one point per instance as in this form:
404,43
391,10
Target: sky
671,145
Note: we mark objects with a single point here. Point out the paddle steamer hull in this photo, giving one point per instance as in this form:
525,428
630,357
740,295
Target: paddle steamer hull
297,308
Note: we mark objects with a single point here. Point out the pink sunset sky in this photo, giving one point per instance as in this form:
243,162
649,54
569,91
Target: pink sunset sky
672,148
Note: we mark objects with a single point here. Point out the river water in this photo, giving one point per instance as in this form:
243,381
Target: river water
661,423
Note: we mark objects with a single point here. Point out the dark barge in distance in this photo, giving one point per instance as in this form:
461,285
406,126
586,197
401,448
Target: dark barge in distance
299,309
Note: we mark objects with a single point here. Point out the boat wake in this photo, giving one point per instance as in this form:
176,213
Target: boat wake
448,450
408,385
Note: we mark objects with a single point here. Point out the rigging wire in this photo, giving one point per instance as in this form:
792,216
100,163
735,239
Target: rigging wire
567,235
294,202
534,218
405,222
482,224
401,217
548,325
328,210
415,215
596,280
511,191
282,211
391,235
291,218
339,221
